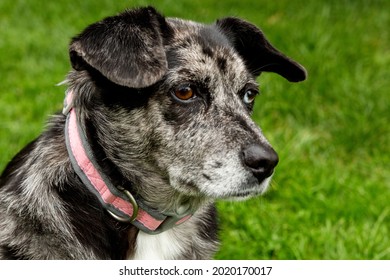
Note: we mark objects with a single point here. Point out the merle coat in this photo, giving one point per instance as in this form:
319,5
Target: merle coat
166,107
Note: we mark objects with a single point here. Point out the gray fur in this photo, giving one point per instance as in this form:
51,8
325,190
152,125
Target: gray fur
170,153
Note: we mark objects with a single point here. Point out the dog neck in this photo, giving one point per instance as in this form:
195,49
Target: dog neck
117,201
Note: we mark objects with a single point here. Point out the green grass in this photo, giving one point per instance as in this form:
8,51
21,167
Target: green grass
330,197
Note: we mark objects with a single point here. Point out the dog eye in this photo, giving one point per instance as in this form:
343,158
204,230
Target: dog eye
184,93
249,96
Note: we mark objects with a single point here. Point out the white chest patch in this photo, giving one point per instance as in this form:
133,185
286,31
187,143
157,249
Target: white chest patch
164,246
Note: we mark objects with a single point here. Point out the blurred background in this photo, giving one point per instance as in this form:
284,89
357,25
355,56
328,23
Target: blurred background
330,196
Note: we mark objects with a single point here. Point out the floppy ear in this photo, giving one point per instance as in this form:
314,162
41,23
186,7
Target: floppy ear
257,52
127,49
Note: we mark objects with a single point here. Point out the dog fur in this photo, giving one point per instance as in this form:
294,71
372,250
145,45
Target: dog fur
171,152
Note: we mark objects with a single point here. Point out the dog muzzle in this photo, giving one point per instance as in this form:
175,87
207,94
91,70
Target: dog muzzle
118,202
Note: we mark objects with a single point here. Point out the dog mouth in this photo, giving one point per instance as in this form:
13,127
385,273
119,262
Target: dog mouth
242,191
248,192
238,196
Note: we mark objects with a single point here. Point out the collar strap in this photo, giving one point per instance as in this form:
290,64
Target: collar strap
119,202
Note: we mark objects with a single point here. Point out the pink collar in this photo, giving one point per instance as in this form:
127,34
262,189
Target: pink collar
119,202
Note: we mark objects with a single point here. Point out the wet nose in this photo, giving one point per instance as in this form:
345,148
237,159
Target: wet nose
260,159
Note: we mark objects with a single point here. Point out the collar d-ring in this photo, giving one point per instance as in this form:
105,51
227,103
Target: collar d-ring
133,202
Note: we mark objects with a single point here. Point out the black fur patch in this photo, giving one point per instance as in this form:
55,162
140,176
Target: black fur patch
103,235
222,64
12,253
208,51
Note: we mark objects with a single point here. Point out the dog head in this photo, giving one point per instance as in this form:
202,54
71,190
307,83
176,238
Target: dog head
169,103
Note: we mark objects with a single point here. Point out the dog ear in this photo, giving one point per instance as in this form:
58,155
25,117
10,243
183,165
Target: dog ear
127,49
257,52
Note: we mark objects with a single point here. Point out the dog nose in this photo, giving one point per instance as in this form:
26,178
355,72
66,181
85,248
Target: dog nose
261,160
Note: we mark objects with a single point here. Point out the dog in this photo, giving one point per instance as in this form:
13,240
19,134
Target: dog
155,128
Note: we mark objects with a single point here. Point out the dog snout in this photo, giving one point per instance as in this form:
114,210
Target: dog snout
260,159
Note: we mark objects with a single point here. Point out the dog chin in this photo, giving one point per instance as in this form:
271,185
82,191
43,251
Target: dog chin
248,192
240,193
